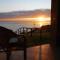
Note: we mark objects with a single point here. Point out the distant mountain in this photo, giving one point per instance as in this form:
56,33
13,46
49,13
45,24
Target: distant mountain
33,13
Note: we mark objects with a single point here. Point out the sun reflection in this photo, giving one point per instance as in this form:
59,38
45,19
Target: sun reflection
40,24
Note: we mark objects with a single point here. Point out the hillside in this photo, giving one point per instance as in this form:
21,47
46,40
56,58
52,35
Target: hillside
33,13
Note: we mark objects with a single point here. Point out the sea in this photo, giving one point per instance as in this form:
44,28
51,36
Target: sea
16,25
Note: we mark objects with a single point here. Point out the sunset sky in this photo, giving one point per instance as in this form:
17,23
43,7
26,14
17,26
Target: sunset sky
24,5
18,5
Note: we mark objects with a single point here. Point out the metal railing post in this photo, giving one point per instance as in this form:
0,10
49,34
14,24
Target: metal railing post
40,51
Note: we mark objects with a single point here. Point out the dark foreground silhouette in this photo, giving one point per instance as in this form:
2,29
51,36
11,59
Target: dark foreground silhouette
5,36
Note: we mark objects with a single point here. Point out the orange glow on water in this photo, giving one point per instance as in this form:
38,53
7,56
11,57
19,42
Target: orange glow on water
38,21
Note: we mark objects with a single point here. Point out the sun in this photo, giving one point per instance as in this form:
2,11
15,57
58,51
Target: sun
43,18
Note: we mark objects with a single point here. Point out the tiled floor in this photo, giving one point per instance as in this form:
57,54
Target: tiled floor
33,53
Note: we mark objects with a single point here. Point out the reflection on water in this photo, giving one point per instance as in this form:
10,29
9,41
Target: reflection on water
33,53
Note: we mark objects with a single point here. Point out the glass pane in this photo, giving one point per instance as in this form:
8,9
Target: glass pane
13,40
32,19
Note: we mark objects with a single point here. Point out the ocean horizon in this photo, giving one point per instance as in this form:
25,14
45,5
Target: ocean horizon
16,25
